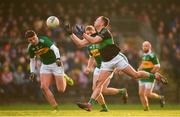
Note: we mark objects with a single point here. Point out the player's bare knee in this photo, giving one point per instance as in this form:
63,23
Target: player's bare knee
98,87
61,89
148,93
104,91
141,94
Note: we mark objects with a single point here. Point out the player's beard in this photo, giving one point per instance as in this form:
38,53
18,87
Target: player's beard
146,51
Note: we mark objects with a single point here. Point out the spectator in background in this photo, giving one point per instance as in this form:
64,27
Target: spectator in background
6,81
20,82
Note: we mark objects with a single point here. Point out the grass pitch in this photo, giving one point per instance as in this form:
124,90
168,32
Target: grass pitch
73,110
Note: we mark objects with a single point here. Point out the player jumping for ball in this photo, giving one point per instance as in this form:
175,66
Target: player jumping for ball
94,54
112,58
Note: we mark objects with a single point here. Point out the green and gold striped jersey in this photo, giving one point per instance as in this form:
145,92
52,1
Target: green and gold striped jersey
148,61
42,49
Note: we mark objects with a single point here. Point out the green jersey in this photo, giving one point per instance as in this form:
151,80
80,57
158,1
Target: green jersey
107,48
147,64
42,49
94,52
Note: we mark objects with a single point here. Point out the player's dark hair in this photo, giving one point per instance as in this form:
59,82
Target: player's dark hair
105,20
29,33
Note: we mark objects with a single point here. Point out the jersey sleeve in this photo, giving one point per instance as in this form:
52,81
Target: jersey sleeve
47,41
30,52
155,59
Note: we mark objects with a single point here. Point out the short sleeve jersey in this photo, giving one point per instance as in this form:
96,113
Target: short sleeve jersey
148,62
42,49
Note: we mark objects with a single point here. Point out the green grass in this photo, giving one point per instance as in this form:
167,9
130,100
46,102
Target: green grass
73,110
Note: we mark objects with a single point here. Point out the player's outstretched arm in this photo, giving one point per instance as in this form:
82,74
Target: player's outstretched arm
32,75
32,65
80,43
57,54
55,50
91,39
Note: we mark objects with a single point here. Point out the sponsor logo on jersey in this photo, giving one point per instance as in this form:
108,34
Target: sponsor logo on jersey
95,52
147,64
41,51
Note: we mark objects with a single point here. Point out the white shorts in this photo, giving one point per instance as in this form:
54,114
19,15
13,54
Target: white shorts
147,85
120,61
97,72
53,69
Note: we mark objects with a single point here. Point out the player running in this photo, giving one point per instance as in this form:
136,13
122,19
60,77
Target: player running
94,54
150,63
51,68
112,58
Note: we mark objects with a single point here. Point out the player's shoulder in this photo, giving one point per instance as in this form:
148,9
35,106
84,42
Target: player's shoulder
29,46
105,33
152,54
104,30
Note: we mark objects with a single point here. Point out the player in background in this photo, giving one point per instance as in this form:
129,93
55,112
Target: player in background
150,63
51,69
112,58
95,58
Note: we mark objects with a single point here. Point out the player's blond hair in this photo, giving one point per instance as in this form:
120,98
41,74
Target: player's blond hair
89,27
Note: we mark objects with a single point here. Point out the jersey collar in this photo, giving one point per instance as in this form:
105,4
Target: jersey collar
148,52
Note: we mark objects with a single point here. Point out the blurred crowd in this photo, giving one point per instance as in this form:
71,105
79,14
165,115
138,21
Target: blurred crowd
18,16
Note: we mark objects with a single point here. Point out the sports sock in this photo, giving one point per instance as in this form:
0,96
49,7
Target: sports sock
92,101
152,76
122,91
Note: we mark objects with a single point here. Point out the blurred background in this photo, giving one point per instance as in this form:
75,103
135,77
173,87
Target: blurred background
131,22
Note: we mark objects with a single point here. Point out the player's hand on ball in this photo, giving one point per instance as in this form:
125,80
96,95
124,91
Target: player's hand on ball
59,62
80,30
68,29
32,77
